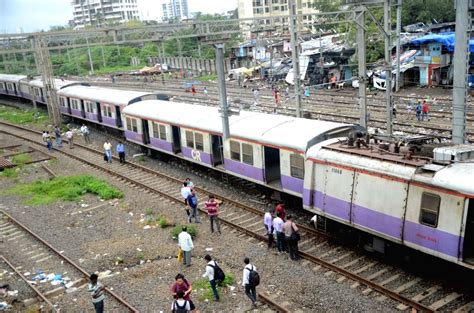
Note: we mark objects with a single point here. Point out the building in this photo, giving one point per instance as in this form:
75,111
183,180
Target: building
175,10
100,12
270,8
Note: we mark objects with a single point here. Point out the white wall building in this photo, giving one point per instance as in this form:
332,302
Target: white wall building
98,12
175,9
264,8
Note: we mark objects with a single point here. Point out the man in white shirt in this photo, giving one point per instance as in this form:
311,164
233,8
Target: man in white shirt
108,150
186,243
250,290
85,133
70,138
211,265
280,236
268,223
185,192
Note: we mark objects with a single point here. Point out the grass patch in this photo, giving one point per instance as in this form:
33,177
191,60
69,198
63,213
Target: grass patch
115,69
18,116
21,159
69,188
9,172
206,78
178,228
203,290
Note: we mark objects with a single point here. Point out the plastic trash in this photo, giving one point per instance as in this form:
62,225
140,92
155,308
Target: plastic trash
3,306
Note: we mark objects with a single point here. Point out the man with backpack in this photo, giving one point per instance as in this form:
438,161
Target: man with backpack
250,280
215,275
180,305
193,202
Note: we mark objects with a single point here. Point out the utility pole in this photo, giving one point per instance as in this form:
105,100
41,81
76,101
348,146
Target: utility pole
388,64
222,91
295,56
461,66
399,30
47,74
103,56
360,20
90,56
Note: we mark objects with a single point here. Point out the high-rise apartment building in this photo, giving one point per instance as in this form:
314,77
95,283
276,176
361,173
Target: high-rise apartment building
175,10
99,12
270,8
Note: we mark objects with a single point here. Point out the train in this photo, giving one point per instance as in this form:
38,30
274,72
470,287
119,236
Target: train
390,195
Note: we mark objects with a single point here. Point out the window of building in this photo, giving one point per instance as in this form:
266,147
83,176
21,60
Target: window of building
297,166
189,139
132,124
235,150
247,154
107,111
429,209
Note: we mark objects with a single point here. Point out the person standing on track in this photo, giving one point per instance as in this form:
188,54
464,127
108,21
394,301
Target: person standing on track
291,236
278,229
85,133
213,211
193,202
186,244
193,90
184,286
108,150
70,138
121,152
255,96
57,134
49,141
96,290
425,110
268,223
280,208
205,91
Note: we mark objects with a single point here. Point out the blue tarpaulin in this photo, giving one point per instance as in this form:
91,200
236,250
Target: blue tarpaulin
447,39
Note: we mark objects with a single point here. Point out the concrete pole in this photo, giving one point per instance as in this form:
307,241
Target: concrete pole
222,90
295,56
361,53
90,56
399,30
103,56
461,66
388,65
180,51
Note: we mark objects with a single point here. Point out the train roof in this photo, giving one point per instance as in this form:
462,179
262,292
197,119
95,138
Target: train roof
104,95
11,77
59,83
456,176
276,130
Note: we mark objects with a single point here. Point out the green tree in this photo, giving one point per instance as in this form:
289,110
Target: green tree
414,11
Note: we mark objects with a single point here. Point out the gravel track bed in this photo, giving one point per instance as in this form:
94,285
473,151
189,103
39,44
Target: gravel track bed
97,238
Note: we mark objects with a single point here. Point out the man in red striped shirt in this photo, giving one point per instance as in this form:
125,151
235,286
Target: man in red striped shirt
212,211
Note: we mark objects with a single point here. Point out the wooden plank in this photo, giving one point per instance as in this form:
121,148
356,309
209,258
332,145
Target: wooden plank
468,307
419,297
442,302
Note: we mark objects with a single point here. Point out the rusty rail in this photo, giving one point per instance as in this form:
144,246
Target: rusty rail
36,290
68,260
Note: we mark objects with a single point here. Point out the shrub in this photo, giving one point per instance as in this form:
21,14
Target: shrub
178,228
9,172
163,222
21,159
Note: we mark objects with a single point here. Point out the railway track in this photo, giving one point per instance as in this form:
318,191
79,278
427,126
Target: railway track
317,249
30,252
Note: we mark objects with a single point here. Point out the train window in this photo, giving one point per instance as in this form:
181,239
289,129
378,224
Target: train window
189,139
297,166
162,132
235,150
107,111
10,86
429,209
156,132
199,141
89,107
132,124
37,92
247,153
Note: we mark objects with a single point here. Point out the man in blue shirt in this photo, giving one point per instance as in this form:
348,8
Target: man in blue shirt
193,202
121,152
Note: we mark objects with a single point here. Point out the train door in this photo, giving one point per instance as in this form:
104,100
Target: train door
468,251
272,164
217,150
176,139
68,103
83,109
99,112
145,132
118,117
